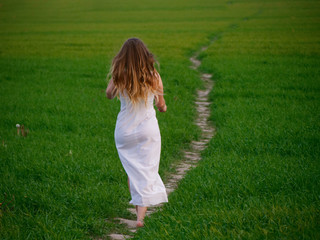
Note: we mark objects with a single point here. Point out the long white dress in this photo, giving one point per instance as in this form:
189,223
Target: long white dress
138,142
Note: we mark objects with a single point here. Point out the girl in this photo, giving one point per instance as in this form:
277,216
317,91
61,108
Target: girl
137,83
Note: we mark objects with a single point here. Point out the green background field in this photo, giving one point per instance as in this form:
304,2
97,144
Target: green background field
259,177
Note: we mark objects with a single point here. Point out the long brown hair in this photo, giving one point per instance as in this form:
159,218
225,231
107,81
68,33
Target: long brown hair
133,71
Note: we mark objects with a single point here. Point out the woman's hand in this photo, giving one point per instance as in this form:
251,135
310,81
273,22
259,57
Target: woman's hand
162,108
160,102
110,91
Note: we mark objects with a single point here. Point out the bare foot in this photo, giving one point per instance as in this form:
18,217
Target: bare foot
139,224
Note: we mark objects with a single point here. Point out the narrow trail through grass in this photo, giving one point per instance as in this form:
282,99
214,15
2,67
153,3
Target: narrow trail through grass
193,155
258,177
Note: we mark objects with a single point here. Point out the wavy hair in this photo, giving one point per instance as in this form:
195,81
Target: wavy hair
133,71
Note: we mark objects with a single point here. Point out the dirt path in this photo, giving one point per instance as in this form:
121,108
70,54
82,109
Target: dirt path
192,156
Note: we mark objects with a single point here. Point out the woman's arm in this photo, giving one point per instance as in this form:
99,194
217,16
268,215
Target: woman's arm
160,102
110,90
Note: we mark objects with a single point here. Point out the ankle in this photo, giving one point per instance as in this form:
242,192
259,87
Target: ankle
140,223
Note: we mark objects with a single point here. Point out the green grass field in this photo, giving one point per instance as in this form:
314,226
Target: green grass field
259,177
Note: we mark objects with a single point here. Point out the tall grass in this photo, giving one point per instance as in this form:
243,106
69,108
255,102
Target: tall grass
65,179
259,177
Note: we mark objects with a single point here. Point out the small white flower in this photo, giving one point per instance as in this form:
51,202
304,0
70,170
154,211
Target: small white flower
17,125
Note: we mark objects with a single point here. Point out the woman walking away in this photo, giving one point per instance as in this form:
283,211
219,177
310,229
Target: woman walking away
137,83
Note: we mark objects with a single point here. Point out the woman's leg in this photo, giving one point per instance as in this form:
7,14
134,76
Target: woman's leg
141,213
129,191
